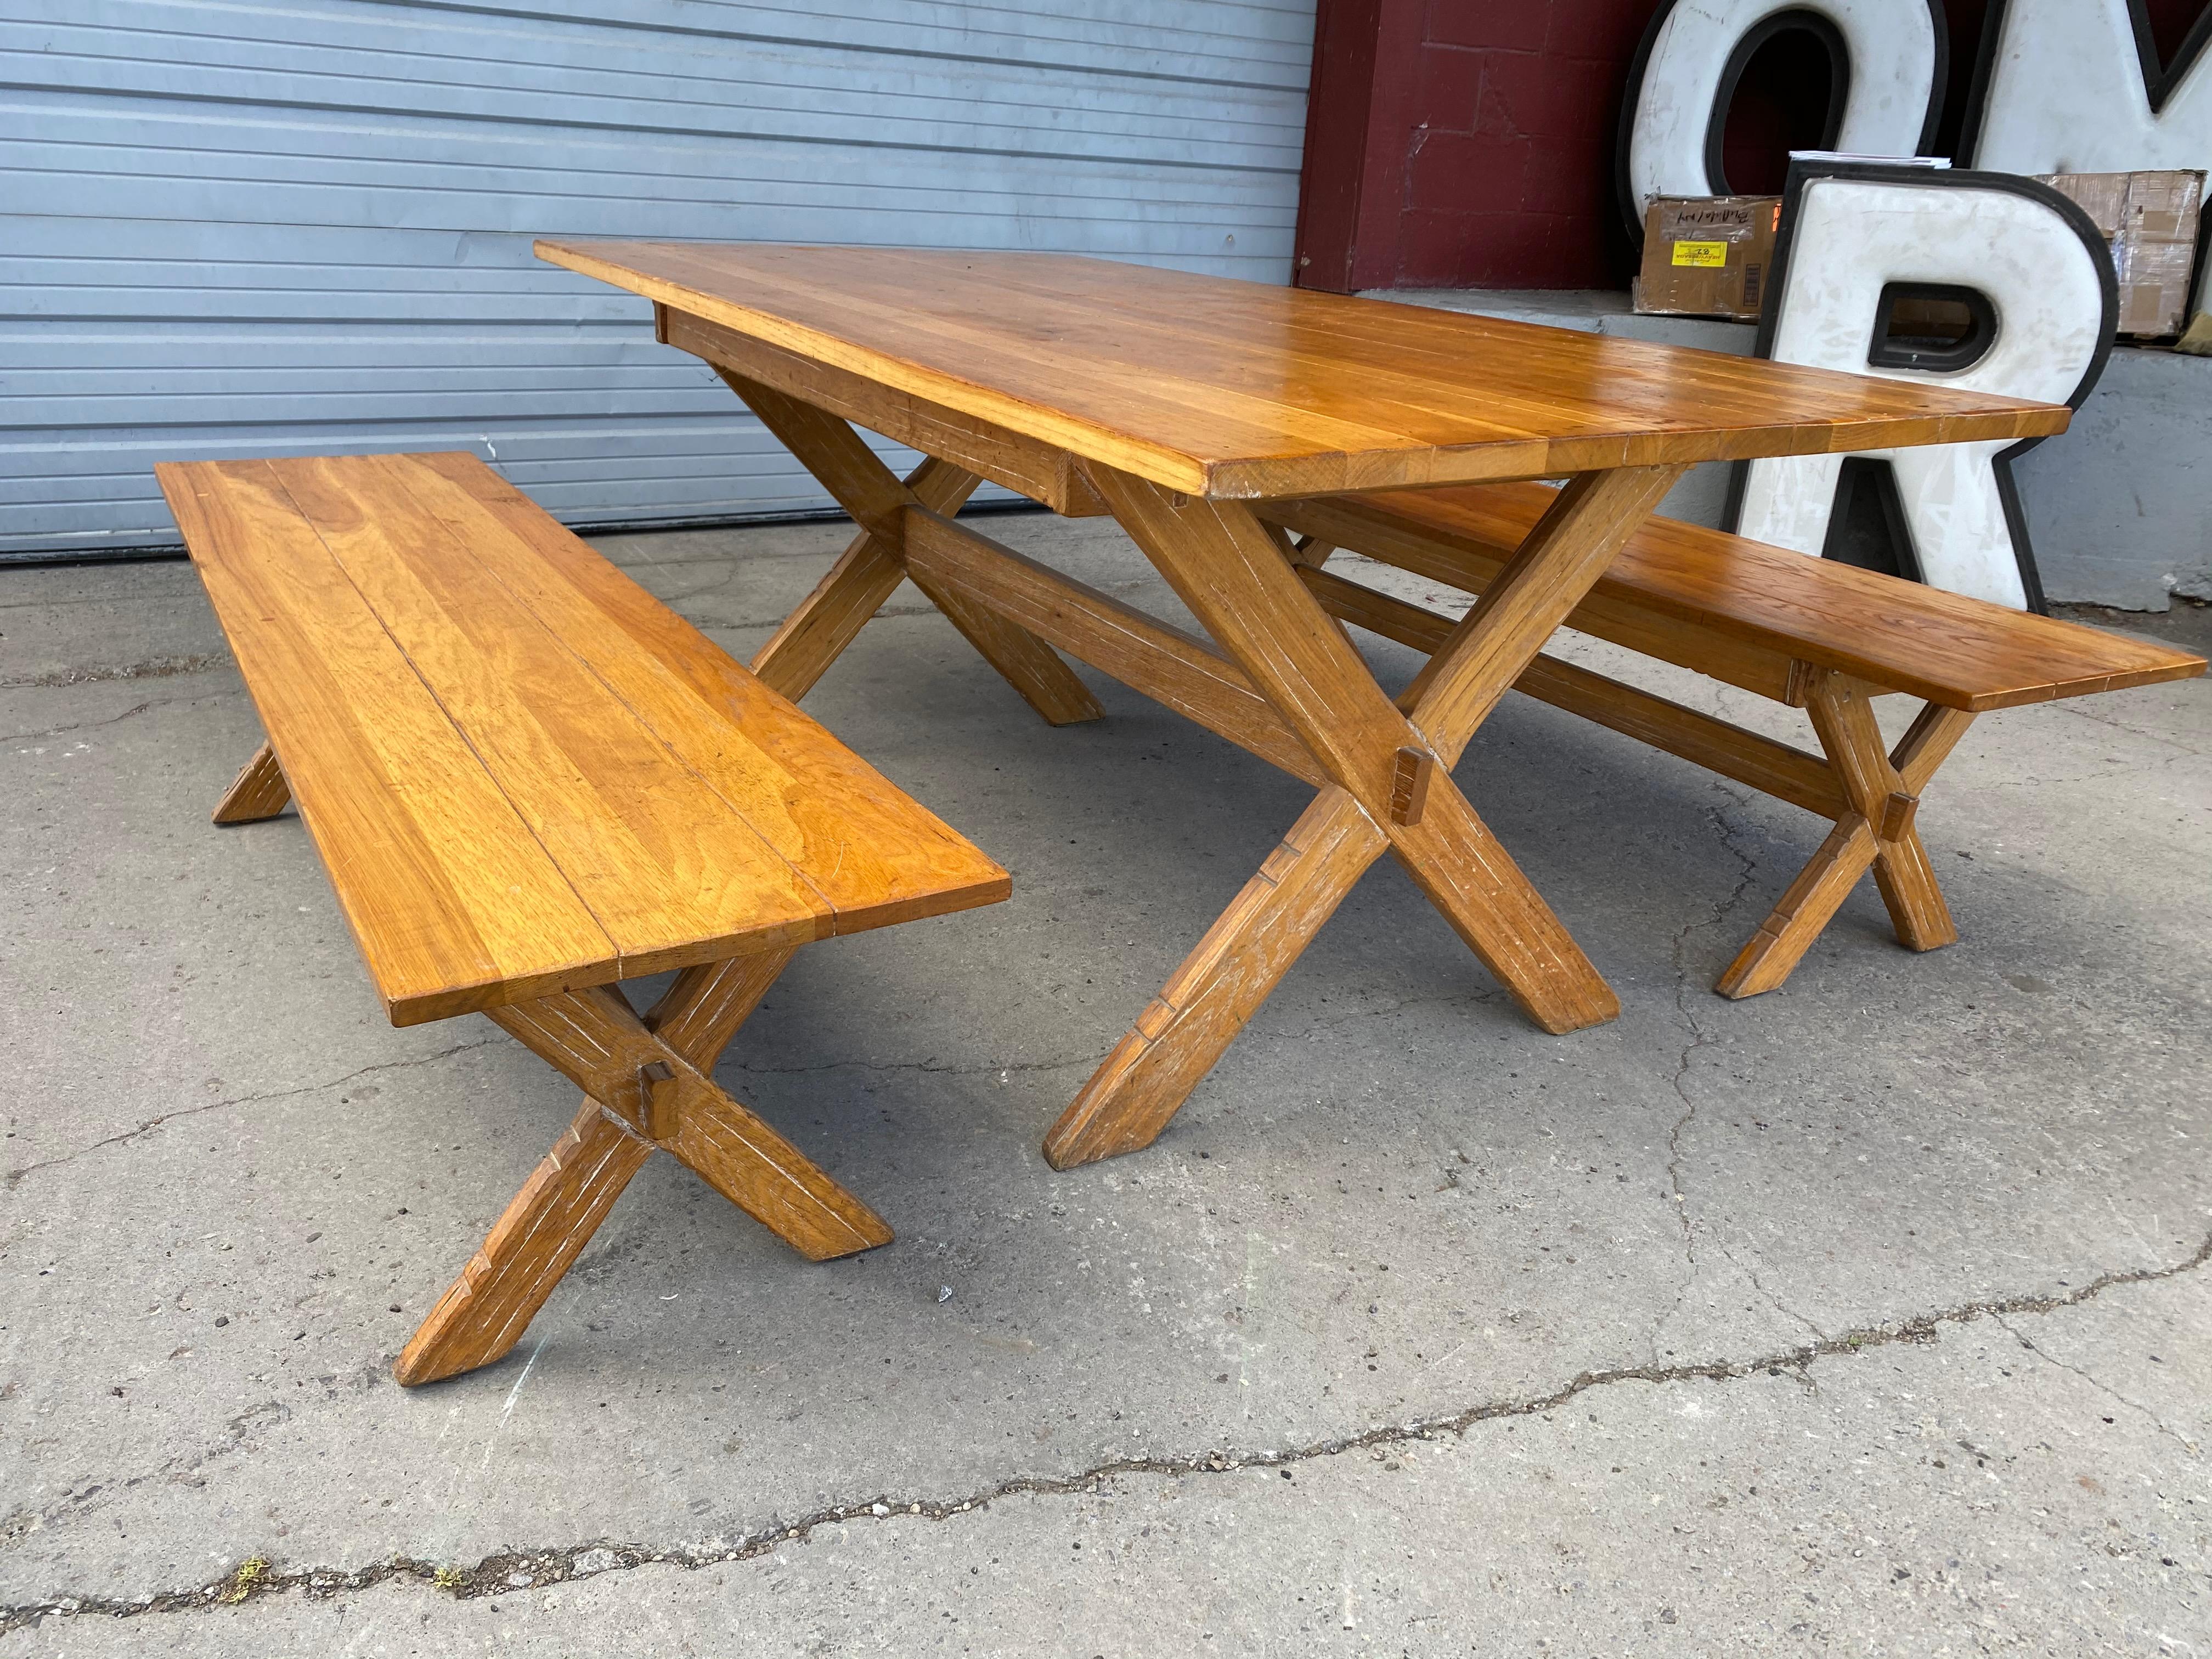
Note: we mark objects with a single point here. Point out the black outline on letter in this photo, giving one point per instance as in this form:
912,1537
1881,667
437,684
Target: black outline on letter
1803,173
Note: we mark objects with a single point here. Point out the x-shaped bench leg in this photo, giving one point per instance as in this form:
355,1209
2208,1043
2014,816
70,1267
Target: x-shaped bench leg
1884,793
1391,786
258,792
811,639
647,1087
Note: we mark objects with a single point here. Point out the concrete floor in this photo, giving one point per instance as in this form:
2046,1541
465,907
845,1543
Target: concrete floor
1869,1317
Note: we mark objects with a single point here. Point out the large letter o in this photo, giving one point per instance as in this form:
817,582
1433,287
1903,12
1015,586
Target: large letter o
1889,64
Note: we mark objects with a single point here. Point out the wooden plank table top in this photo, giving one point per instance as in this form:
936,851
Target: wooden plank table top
1239,390
525,773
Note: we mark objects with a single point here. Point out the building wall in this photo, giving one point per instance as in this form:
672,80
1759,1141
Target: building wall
1468,143
281,227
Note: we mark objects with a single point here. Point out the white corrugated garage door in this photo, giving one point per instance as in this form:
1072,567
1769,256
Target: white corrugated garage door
255,227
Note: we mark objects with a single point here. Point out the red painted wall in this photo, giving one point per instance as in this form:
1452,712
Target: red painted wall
1465,143
1510,162
1470,143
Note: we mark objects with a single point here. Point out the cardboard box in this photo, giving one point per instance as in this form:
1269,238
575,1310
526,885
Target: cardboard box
1706,256
2150,220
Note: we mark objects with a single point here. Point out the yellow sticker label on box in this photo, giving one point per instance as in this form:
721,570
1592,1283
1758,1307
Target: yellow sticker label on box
1712,255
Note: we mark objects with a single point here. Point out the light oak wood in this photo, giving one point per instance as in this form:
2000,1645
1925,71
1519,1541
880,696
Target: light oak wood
874,855
1928,743
1686,594
1241,390
1842,712
258,792
1409,785
827,447
536,1240
1248,592
1174,400
1165,663
1773,767
592,1038
1220,985
1874,806
636,1101
1421,544
1041,472
523,772
1815,630
1565,553
858,585
526,779
1877,830
666,864
454,902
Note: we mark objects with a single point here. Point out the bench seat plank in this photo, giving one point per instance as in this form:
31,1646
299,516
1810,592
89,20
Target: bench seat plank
1959,652
655,821
454,902
873,853
666,865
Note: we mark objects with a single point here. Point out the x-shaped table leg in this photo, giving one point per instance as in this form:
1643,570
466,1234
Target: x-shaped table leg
810,639
1884,791
647,1087
1391,786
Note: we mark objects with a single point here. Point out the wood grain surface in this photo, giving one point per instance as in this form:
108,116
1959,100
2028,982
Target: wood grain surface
1218,387
258,792
1962,653
524,774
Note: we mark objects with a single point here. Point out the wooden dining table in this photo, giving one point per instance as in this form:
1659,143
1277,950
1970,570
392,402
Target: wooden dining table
1180,404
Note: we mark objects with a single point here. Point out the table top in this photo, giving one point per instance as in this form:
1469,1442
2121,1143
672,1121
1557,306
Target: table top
1239,390
523,772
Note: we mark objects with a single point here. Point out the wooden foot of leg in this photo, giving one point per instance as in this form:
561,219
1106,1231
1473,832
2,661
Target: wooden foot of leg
1917,907
645,1090
1025,662
1917,910
487,1308
1454,858
1220,986
1787,933
1883,791
258,792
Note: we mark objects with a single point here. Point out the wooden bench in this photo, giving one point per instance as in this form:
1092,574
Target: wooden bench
529,778
1815,634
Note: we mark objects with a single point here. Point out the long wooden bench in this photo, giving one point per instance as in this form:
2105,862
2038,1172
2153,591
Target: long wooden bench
529,778
1815,634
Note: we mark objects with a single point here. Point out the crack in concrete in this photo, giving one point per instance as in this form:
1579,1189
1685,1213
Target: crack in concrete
2103,773
91,725
510,1571
2074,707
2102,1387
1700,1038
153,668
13,1177
1721,913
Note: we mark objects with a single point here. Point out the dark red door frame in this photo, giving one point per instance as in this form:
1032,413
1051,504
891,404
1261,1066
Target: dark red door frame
1358,111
